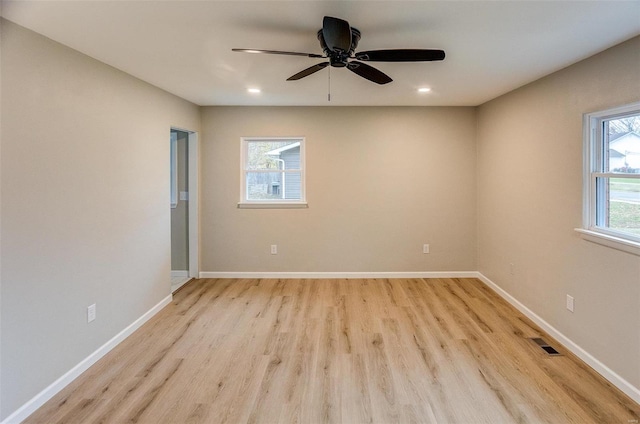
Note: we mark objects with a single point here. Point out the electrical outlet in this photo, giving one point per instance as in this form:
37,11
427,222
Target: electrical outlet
91,312
570,303
512,269
274,249
425,248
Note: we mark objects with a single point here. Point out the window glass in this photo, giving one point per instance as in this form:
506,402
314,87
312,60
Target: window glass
620,204
273,170
623,144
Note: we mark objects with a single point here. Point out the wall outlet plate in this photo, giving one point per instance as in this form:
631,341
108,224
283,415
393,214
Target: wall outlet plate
274,249
91,312
570,303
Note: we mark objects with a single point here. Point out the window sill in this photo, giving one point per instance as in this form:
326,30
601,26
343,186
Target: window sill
610,241
264,205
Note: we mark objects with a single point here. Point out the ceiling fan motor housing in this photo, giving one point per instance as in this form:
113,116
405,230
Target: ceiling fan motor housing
338,58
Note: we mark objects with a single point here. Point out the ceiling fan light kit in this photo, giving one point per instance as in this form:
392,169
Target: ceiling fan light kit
339,41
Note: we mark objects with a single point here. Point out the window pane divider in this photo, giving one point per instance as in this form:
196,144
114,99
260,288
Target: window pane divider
615,175
273,204
274,171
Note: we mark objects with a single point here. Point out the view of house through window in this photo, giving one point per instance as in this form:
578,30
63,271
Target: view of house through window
273,170
615,173
623,140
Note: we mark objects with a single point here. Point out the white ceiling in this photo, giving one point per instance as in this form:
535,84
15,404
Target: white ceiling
185,47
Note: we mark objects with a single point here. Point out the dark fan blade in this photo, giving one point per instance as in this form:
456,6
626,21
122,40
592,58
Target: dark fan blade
336,33
277,52
369,72
308,71
401,55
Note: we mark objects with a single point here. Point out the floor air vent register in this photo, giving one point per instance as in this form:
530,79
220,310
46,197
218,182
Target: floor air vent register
545,346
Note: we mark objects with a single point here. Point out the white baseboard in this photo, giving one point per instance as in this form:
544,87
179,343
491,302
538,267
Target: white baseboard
321,275
622,384
182,283
179,273
38,400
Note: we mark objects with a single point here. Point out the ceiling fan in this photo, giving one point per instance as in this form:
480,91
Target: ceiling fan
339,41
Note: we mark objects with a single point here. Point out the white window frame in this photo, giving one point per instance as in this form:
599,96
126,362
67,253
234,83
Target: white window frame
271,203
593,169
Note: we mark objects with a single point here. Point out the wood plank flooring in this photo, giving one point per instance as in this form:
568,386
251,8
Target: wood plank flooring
338,351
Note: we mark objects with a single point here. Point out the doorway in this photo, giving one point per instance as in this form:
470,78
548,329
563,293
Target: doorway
183,167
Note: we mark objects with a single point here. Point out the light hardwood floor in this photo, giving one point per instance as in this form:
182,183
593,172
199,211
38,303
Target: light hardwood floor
338,351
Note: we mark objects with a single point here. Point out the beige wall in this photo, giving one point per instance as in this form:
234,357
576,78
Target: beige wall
530,200
85,206
380,183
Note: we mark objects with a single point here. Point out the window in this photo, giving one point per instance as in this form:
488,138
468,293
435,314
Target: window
272,172
612,177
